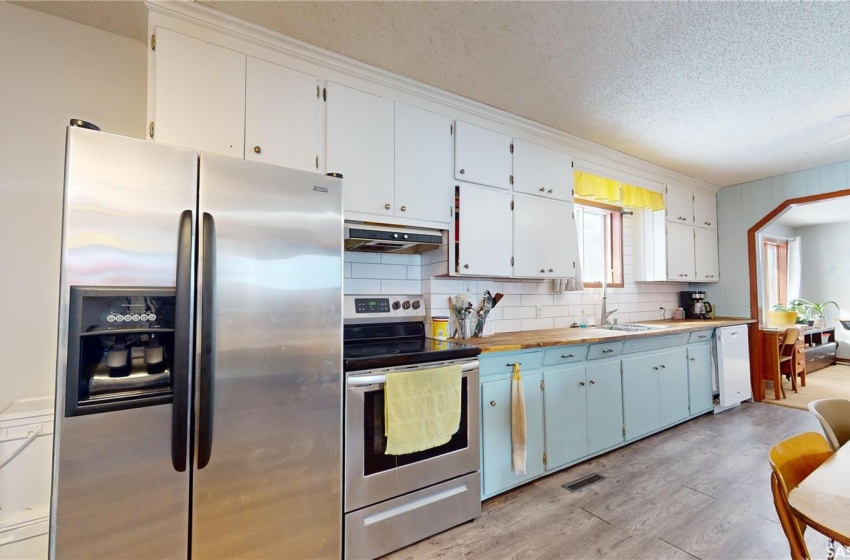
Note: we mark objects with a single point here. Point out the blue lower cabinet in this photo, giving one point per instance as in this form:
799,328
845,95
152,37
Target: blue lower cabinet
565,412
496,467
641,401
604,406
699,378
673,386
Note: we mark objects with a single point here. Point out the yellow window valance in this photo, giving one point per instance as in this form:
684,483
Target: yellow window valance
599,188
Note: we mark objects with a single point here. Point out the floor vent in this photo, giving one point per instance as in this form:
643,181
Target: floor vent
583,482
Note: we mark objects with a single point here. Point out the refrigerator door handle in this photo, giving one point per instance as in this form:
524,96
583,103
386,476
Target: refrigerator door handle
182,344
207,358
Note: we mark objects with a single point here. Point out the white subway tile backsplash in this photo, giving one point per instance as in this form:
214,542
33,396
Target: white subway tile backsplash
379,271
366,273
354,257
401,286
519,313
358,286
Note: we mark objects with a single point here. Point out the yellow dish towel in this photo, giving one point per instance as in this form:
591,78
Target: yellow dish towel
519,436
421,408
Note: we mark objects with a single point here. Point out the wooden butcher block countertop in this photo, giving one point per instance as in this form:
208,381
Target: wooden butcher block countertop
510,341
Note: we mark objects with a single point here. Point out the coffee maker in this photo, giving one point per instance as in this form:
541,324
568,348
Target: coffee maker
695,305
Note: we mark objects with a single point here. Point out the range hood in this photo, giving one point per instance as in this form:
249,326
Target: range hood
372,238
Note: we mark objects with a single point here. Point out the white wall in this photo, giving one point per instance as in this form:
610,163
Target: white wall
53,70
739,207
369,273
826,268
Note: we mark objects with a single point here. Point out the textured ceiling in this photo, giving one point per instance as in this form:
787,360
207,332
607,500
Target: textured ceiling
726,92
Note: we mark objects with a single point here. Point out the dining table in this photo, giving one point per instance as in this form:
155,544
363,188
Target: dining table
822,499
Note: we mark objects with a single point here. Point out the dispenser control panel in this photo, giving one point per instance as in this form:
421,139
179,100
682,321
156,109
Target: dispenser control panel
109,312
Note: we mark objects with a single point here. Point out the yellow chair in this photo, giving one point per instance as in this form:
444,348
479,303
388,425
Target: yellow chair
792,460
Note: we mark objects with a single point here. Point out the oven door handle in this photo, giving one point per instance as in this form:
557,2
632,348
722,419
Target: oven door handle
364,380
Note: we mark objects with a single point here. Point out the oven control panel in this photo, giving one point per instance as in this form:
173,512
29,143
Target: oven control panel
383,308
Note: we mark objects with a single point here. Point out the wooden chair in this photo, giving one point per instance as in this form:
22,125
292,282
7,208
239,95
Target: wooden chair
834,418
788,357
792,460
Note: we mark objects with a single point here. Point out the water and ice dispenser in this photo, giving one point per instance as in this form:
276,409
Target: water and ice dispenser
120,349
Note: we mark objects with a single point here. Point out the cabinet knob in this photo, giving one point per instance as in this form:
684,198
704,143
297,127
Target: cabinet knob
551,270
542,189
592,382
707,223
492,403
404,208
387,206
655,368
581,383
466,266
462,171
549,191
257,149
542,270
692,359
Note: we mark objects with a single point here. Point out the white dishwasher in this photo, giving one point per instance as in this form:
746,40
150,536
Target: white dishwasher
733,367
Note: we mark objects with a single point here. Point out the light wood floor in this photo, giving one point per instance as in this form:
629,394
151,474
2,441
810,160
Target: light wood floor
699,490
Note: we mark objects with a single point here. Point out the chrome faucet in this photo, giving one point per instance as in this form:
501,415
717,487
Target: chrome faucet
605,313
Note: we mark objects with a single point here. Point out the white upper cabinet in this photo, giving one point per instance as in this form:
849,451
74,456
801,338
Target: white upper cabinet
705,255
705,211
423,162
681,265
680,205
542,171
360,145
281,116
482,156
199,95
484,233
544,238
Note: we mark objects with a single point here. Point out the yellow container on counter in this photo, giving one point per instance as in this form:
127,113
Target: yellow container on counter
440,328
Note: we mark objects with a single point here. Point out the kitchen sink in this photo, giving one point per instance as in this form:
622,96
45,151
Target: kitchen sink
635,327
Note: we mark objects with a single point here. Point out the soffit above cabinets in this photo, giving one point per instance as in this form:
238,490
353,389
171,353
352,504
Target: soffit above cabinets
725,92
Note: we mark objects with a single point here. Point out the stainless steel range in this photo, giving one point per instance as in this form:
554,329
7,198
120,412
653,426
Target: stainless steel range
393,501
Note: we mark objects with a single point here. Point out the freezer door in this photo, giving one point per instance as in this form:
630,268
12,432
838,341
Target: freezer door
268,476
116,493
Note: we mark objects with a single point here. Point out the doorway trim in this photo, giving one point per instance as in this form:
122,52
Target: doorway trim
757,354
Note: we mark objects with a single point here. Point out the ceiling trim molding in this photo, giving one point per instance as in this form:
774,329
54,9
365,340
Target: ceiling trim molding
209,18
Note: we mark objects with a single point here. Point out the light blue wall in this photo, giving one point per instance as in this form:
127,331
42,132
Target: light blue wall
739,207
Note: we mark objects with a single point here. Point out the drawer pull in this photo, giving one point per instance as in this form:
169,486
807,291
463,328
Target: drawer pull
565,356
655,368
608,351
592,382
662,367
581,383
514,364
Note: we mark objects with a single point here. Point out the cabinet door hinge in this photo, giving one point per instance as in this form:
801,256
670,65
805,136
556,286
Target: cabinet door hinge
572,164
318,91
512,147
150,129
512,179
317,162
542,385
621,368
153,42
451,129
574,264
451,212
512,205
324,94
545,459
512,261
624,430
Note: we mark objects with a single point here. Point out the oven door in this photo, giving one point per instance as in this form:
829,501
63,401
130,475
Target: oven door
371,476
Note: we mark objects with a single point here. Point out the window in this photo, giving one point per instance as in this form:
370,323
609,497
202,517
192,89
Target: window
776,271
600,231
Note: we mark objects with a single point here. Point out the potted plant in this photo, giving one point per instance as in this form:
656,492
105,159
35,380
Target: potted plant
782,315
813,311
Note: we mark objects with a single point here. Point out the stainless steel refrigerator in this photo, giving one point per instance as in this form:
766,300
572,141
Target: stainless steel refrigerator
199,356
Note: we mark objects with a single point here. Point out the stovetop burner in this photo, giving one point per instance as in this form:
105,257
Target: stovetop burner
399,344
